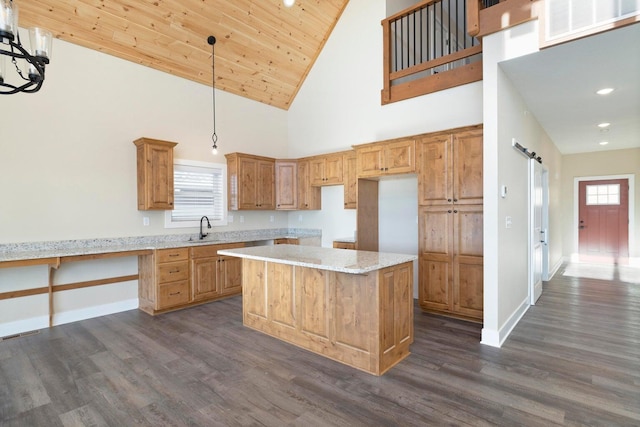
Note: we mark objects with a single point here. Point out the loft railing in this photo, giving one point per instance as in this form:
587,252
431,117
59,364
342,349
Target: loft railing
428,48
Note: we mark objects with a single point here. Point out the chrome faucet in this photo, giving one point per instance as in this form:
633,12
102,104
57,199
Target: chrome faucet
203,235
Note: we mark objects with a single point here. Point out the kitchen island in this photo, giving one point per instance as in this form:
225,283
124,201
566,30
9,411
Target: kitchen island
355,307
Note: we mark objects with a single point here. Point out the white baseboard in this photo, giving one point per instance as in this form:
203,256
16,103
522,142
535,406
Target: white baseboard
495,338
95,311
555,268
25,325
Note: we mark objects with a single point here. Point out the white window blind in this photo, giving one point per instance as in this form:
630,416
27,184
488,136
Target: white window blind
199,190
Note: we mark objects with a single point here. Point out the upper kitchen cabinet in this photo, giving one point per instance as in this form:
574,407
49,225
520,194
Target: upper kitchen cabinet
386,158
326,170
309,197
155,174
286,184
251,182
450,166
350,180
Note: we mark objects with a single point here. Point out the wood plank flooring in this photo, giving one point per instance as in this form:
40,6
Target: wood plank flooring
574,359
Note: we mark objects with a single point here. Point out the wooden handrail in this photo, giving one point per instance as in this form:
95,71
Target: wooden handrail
427,35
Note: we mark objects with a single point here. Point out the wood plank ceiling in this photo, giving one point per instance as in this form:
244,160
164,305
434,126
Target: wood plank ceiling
264,50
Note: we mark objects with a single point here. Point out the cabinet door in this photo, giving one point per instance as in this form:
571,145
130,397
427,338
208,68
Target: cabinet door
467,167
370,161
400,157
436,258
154,174
316,171
435,185
350,181
286,185
468,261
265,186
309,197
334,170
203,278
229,275
247,182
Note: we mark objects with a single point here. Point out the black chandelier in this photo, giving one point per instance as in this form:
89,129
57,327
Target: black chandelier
11,47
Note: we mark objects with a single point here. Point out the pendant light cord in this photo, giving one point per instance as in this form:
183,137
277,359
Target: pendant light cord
212,41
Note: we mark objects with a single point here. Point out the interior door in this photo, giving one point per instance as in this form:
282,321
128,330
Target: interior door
603,220
538,234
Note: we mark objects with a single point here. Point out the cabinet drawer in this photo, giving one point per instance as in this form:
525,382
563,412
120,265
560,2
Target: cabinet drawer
208,251
173,271
171,255
173,294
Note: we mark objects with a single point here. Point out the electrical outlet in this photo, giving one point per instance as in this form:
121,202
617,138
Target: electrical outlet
229,218
241,218
507,222
271,218
145,220
299,218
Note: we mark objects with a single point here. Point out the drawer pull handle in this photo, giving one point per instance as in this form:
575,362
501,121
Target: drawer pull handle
174,293
172,255
174,271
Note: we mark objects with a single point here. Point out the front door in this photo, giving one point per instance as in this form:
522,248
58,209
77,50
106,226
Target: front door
603,220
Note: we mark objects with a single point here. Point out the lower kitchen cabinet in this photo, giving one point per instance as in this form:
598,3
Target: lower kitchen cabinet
176,278
451,261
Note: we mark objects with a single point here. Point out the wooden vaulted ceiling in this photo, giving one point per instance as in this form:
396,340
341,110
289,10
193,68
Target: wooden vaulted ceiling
263,51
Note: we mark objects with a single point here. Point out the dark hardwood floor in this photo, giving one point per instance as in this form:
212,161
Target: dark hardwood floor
574,359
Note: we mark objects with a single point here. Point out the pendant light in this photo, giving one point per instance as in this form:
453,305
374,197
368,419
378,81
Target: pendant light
288,3
212,41
11,47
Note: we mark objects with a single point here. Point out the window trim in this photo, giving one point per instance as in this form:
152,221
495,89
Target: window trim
168,223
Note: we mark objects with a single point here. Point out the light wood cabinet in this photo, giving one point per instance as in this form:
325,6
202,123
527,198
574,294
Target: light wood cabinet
250,182
286,241
326,170
155,174
344,245
350,180
450,224
309,196
177,278
362,320
451,169
386,158
286,184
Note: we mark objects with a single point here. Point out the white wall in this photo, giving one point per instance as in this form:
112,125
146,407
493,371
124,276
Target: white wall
506,250
68,169
339,106
68,163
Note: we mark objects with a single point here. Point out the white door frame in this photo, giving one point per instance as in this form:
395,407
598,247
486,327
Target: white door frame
575,254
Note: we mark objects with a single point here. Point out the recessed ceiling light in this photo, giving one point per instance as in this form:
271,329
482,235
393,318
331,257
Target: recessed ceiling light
604,142
605,91
604,125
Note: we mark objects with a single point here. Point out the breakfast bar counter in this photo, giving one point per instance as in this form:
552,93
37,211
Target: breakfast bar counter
355,307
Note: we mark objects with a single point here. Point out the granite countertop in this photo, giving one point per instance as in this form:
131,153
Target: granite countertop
340,260
54,249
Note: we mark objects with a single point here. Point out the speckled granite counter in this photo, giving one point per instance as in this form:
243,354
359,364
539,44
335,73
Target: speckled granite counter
64,248
340,260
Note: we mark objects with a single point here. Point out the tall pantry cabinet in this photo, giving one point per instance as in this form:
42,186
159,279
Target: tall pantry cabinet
450,223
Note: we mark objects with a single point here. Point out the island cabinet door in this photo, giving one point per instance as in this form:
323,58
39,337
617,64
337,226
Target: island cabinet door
254,292
313,304
396,313
280,298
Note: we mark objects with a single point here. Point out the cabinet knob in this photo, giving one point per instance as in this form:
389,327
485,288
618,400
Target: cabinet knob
448,200
455,200
455,211
449,211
